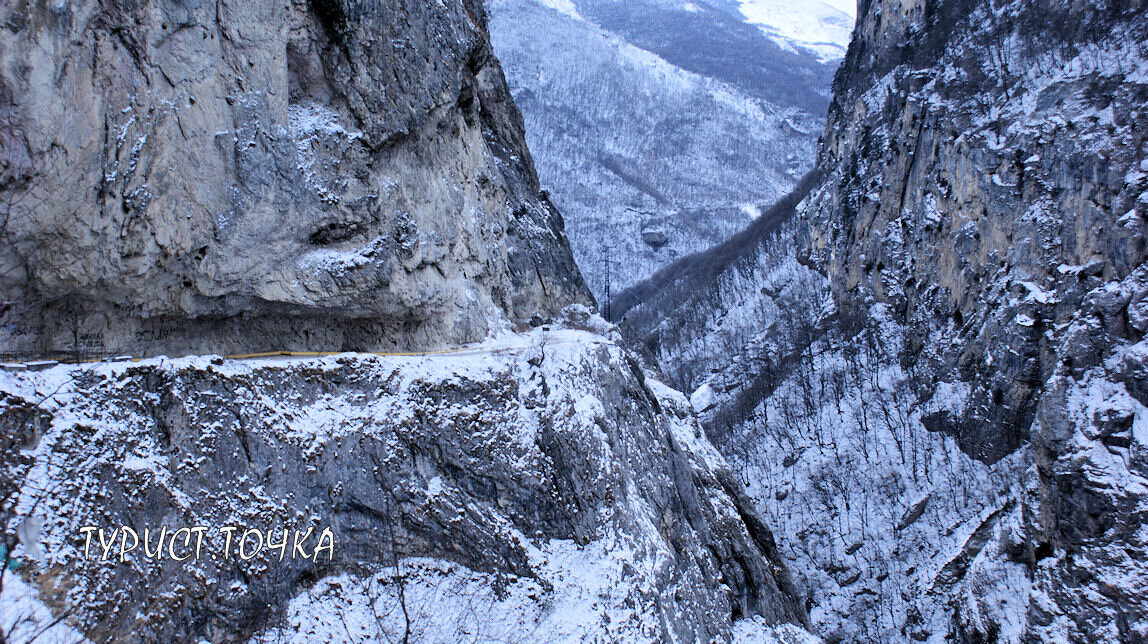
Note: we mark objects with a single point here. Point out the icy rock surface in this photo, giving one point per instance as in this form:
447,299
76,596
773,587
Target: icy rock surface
536,484
193,177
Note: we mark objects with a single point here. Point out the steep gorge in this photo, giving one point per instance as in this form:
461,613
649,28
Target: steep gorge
659,128
936,390
185,177
926,367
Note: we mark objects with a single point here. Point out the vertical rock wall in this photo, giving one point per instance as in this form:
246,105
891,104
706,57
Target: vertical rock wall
952,445
984,177
217,177
989,184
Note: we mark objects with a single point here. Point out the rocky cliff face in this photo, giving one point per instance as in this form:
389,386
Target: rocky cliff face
202,177
218,177
987,171
952,444
542,477
990,184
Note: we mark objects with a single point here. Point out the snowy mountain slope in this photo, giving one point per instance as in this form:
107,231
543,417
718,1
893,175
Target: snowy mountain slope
944,420
449,603
882,522
541,477
720,302
653,149
892,530
706,40
823,27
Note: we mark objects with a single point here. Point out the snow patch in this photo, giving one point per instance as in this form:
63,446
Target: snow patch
25,618
816,26
703,399
563,6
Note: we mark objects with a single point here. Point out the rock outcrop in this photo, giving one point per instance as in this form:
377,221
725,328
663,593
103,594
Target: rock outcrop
190,177
579,494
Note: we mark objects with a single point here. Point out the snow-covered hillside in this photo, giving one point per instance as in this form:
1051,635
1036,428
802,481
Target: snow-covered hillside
891,528
659,129
823,27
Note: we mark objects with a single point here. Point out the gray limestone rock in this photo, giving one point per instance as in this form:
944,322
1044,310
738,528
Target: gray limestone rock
190,177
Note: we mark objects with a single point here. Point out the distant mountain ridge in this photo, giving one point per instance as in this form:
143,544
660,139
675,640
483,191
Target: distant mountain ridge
660,128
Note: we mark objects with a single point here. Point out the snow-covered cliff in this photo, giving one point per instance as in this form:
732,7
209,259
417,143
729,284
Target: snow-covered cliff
538,483
333,175
945,422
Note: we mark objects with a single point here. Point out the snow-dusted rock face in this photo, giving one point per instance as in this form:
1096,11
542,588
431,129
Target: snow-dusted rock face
719,310
202,177
989,185
643,116
215,178
985,178
537,484
946,428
